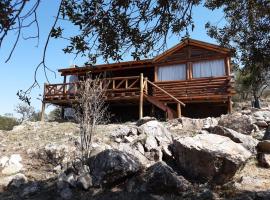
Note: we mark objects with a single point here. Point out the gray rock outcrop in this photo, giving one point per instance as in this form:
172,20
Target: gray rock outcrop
112,166
209,157
247,141
238,122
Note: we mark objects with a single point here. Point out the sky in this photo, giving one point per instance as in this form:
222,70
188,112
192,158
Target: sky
18,73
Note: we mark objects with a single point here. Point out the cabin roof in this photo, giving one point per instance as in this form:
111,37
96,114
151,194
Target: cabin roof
146,62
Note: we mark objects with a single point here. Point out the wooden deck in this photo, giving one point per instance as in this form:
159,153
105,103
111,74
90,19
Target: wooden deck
128,88
119,88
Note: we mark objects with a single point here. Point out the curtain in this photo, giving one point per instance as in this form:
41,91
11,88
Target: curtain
172,72
209,68
72,79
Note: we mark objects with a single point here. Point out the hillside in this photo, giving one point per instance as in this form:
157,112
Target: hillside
212,158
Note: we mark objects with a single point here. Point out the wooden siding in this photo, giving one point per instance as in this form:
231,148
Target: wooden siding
202,89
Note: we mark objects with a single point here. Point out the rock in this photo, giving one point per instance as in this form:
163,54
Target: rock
97,148
71,179
118,140
145,120
112,166
66,193
247,141
55,153
139,147
84,181
128,139
123,130
5,181
264,160
30,190
264,146
61,181
261,123
154,155
150,143
160,179
18,180
3,161
267,134
209,157
238,122
57,169
263,114
12,169
13,165
133,150
156,129
15,159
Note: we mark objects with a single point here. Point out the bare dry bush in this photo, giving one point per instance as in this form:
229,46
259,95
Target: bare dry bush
90,110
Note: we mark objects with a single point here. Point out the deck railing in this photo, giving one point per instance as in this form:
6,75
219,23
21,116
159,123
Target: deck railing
116,87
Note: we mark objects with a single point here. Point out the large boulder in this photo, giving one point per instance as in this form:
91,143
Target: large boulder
238,122
11,165
209,157
156,134
112,166
160,179
247,141
262,115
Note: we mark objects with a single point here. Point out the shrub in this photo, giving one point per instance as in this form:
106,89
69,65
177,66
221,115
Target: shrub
7,123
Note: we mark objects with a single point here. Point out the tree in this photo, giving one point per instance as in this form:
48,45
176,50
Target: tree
27,112
90,110
247,31
55,114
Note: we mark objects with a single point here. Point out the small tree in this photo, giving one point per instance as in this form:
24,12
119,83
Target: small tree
55,114
27,112
90,110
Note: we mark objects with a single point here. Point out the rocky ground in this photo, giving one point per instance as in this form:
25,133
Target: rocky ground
212,158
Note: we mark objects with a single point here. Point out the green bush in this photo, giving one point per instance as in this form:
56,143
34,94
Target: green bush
7,123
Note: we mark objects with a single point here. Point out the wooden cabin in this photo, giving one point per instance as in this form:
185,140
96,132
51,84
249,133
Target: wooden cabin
191,79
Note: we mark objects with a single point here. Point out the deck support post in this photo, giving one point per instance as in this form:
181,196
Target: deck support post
42,117
141,97
178,110
229,105
62,113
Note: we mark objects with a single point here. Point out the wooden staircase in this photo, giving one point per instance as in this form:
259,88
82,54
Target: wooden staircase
171,114
144,94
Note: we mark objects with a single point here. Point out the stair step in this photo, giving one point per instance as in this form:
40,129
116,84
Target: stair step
171,113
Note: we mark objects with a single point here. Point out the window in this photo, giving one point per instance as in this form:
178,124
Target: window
172,72
209,68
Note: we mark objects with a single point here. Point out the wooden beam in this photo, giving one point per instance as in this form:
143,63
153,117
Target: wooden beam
42,117
228,66
156,73
141,97
166,93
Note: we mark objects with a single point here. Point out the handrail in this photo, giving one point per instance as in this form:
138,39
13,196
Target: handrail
151,83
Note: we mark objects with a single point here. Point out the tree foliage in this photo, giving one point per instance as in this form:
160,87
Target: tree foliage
247,31
105,28
8,122
27,112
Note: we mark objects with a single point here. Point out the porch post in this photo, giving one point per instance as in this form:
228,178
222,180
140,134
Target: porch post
42,117
141,97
